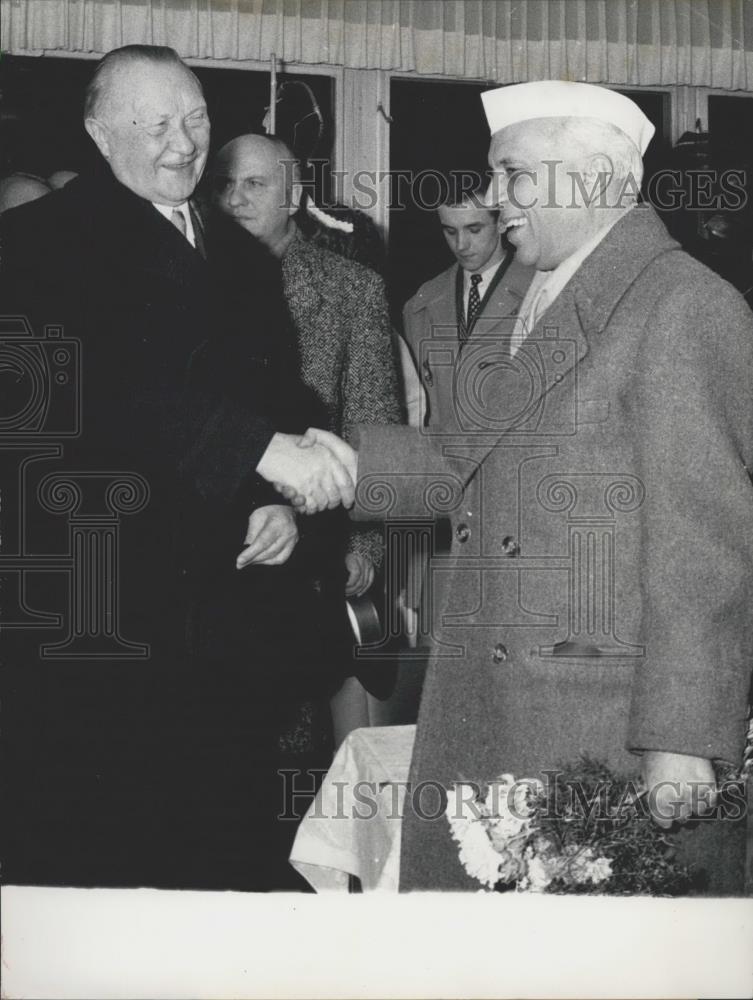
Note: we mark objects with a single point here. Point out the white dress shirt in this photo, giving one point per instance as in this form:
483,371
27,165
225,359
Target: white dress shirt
167,211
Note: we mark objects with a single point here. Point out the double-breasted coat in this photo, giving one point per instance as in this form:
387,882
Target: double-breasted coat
596,595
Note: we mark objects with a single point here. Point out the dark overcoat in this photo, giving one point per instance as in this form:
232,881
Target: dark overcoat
596,596
142,752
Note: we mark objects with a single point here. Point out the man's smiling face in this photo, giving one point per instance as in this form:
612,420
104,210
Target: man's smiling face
154,130
541,210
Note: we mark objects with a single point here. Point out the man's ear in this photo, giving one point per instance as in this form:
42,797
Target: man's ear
98,132
296,192
598,176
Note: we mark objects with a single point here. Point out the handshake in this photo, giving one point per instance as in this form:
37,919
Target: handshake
314,471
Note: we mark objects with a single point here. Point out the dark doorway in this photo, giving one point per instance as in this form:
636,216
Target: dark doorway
726,225
437,127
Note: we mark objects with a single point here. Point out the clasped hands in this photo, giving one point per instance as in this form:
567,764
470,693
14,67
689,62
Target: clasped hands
315,471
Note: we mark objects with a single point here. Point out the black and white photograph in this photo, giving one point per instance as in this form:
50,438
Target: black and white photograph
376,498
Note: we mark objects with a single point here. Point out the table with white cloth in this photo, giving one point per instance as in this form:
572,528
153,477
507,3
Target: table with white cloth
352,828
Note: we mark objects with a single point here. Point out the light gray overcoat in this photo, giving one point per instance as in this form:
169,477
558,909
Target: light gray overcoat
597,594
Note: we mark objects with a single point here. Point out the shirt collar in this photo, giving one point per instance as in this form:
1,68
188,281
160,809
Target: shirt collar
486,274
167,211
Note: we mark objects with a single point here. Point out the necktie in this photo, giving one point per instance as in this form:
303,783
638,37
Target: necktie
178,219
474,302
198,232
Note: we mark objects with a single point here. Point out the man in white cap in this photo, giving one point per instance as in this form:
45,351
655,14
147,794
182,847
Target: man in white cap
597,596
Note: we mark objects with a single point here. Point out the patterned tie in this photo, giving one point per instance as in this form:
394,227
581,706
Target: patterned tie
178,219
474,302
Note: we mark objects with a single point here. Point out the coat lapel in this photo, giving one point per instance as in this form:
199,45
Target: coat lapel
198,229
142,240
583,308
441,307
503,302
168,254
605,276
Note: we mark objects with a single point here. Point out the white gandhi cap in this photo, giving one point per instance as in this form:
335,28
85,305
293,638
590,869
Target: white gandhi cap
561,99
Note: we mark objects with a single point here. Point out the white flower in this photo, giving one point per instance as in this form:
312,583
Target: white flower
477,855
583,865
462,804
599,870
508,809
538,872
490,847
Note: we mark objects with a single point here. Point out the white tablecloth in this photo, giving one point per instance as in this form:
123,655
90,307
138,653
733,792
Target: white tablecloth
353,825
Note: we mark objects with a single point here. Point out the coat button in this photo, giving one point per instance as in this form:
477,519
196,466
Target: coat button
500,653
462,532
510,546
428,377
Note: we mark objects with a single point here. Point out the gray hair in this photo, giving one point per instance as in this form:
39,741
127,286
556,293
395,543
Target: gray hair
582,138
97,90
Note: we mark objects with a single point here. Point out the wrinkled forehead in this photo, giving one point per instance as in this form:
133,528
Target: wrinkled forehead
153,90
533,139
250,159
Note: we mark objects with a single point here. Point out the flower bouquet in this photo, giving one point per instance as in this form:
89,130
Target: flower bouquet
584,830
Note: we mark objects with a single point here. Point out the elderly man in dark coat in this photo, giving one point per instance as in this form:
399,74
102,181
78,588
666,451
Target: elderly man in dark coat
596,598
139,747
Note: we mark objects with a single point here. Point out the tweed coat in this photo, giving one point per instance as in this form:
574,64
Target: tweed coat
431,314
347,352
596,597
